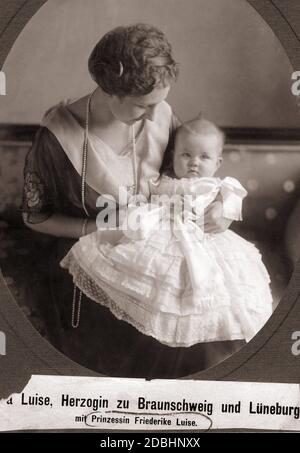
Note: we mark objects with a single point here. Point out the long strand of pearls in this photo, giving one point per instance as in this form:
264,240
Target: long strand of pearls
134,162
85,153
75,322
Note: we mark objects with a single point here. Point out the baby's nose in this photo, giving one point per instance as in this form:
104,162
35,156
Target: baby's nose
195,161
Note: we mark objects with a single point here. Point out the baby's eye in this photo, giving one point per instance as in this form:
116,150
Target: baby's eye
186,154
204,156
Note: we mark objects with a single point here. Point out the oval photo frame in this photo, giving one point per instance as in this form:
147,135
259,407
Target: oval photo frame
266,358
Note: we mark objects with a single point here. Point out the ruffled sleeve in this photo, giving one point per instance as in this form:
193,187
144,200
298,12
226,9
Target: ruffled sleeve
233,194
39,187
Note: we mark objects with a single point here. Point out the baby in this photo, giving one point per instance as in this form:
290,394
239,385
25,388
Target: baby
166,276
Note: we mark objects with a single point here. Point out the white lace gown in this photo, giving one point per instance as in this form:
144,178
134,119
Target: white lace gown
170,280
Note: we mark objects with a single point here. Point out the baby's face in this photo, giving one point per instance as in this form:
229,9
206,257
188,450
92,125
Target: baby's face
196,155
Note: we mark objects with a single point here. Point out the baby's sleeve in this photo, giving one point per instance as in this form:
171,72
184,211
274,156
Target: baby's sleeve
233,194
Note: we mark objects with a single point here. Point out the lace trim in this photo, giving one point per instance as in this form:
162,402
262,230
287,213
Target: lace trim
94,292
34,191
220,328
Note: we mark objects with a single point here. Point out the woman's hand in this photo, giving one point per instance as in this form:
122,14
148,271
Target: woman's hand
214,222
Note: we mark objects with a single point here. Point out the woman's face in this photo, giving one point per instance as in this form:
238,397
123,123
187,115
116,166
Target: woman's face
130,109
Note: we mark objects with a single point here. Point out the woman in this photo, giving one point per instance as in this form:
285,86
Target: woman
115,137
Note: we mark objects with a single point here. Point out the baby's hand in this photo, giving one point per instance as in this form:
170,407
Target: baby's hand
214,222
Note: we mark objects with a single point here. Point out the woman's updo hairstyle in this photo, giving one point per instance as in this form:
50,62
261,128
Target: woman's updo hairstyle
131,61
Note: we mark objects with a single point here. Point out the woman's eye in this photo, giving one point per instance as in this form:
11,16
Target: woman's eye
186,155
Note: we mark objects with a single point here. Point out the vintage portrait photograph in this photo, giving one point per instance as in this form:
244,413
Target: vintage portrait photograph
150,181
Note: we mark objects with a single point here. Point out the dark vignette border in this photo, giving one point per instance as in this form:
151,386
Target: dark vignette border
267,358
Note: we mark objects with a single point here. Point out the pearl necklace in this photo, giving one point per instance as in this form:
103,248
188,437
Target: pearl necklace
85,155
75,323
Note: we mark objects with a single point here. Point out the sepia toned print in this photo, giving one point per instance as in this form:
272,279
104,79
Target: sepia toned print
62,185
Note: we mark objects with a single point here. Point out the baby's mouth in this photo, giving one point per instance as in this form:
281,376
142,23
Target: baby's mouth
193,172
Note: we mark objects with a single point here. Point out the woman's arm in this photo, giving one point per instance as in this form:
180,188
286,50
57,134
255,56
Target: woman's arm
45,168
62,226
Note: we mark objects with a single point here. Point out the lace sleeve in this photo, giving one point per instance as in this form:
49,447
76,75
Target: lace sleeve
37,197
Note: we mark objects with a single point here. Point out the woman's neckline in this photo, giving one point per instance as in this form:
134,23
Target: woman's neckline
123,152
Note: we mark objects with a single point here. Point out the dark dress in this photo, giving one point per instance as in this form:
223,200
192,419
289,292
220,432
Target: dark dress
101,342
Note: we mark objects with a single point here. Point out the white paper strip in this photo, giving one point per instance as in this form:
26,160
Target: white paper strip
54,402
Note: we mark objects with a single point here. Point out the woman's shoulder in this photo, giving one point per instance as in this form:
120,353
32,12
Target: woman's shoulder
44,138
163,113
61,111
61,126
46,148
77,108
